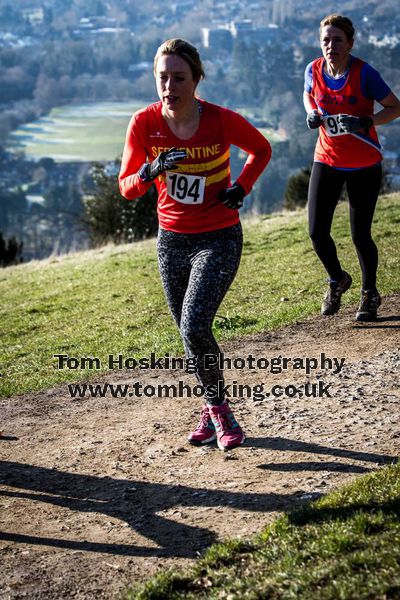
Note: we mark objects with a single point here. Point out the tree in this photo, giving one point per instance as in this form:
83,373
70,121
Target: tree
10,251
112,218
297,189
47,93
245,59
63,214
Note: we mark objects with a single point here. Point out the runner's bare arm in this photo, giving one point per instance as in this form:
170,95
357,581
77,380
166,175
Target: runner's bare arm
313,119
390,111
309,102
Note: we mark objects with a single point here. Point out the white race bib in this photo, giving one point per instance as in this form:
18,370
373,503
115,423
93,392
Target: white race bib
188,189
332,126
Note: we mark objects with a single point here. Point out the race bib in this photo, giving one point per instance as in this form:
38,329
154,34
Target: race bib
188,189
332,126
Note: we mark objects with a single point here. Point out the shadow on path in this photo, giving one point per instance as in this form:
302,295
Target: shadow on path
135,502
278,443
138,503
376,323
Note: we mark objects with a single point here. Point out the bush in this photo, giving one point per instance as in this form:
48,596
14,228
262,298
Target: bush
112,218
297,190
10,251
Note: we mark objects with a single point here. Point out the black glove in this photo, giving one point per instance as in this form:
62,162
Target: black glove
165,161
314,119
350,124
232,196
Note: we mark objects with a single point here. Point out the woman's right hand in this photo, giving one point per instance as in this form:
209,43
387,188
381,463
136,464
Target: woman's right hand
165,161
314,119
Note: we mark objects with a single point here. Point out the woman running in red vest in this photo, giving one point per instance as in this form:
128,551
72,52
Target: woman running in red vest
182,144
339,95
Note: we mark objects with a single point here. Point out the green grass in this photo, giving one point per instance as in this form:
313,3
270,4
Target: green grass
92,132
110,301
345,546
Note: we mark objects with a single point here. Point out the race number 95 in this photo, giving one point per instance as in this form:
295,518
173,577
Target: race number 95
332,126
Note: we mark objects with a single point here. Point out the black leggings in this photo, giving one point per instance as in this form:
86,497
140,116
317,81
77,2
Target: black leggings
363,185
196,271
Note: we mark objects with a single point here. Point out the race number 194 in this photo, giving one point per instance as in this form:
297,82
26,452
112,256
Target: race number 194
188,189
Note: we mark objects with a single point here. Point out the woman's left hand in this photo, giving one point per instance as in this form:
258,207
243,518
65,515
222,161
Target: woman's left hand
233,196
350,124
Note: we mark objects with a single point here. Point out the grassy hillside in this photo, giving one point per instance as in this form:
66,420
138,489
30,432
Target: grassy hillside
110,301
343,546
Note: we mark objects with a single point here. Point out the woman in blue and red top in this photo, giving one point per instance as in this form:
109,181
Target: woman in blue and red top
339,95
182,143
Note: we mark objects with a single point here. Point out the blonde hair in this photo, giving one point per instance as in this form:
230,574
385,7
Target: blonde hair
340,22
183,49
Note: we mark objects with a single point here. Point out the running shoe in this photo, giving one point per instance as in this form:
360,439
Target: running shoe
205,430
331,303
370,302
229,432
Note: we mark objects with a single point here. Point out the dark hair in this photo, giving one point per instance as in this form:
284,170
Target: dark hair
183,49
340,22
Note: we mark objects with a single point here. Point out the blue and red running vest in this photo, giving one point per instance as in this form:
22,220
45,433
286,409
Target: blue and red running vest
352,150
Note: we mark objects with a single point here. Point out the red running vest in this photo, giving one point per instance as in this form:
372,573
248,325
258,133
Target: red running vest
335,148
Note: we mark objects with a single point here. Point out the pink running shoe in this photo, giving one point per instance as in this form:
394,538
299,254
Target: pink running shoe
205,430
229,432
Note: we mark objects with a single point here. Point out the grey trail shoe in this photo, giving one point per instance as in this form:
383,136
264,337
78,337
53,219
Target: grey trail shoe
331,303
370,302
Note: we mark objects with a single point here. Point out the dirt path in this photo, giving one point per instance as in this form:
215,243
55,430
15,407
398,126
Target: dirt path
97,493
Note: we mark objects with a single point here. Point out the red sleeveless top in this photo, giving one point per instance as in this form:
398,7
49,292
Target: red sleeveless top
334,147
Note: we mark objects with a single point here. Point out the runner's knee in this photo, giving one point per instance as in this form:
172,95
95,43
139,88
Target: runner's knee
194,332
319,236
362,239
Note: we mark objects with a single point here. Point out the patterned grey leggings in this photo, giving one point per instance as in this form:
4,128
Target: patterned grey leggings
196,271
